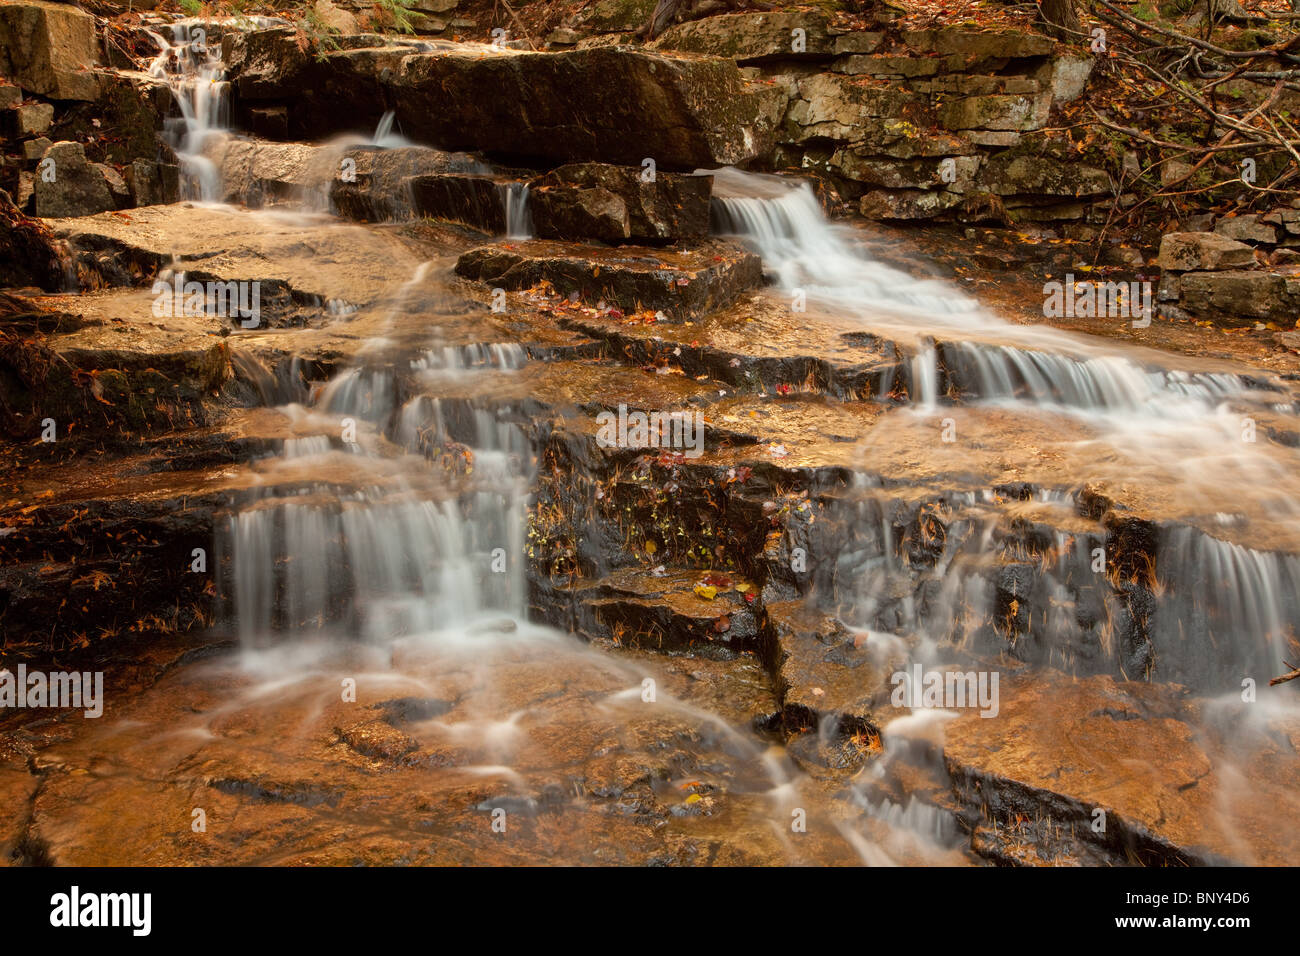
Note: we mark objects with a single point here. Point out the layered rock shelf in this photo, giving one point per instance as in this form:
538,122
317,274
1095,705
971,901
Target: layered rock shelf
601,412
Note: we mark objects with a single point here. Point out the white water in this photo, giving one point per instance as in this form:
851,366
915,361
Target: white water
519,220
190,61
1222,610
785,224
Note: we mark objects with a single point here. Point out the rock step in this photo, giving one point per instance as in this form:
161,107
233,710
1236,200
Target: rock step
680,282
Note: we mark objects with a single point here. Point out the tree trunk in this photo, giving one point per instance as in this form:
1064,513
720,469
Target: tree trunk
1061,19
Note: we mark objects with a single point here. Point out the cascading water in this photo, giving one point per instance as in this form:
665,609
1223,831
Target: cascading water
191,63
519,219
1214,611
784,223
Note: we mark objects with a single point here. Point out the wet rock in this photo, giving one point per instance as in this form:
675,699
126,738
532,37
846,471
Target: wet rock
679,282
10,96
1247,229
1136,752
753,37
379,182
263,63
823,670
49,49
602,104
678,611
378,740
1203,251
615,204
269,122
78,188
475,201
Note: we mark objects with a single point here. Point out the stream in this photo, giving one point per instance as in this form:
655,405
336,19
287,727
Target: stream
1107,530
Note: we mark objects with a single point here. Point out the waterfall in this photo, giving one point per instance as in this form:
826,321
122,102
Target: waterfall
784,223
403,514
1206,612
519,220
191,64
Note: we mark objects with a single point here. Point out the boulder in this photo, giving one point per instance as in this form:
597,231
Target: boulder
34,149
153,184
1029,173
74,186
380,185
1247,229
117,187
682,283
832,106
614,204
611,16
602,104
11,97
907,204
996,112
1239,298
753,37
35,118
1067,77
335,18
49,49
1203,252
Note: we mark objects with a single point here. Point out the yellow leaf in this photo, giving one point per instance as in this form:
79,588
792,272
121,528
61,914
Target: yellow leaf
706,591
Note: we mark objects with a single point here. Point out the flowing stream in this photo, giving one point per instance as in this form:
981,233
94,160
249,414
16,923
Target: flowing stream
390,680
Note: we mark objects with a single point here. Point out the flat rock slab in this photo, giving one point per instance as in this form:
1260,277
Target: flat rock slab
347,264
1143,754
681,283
